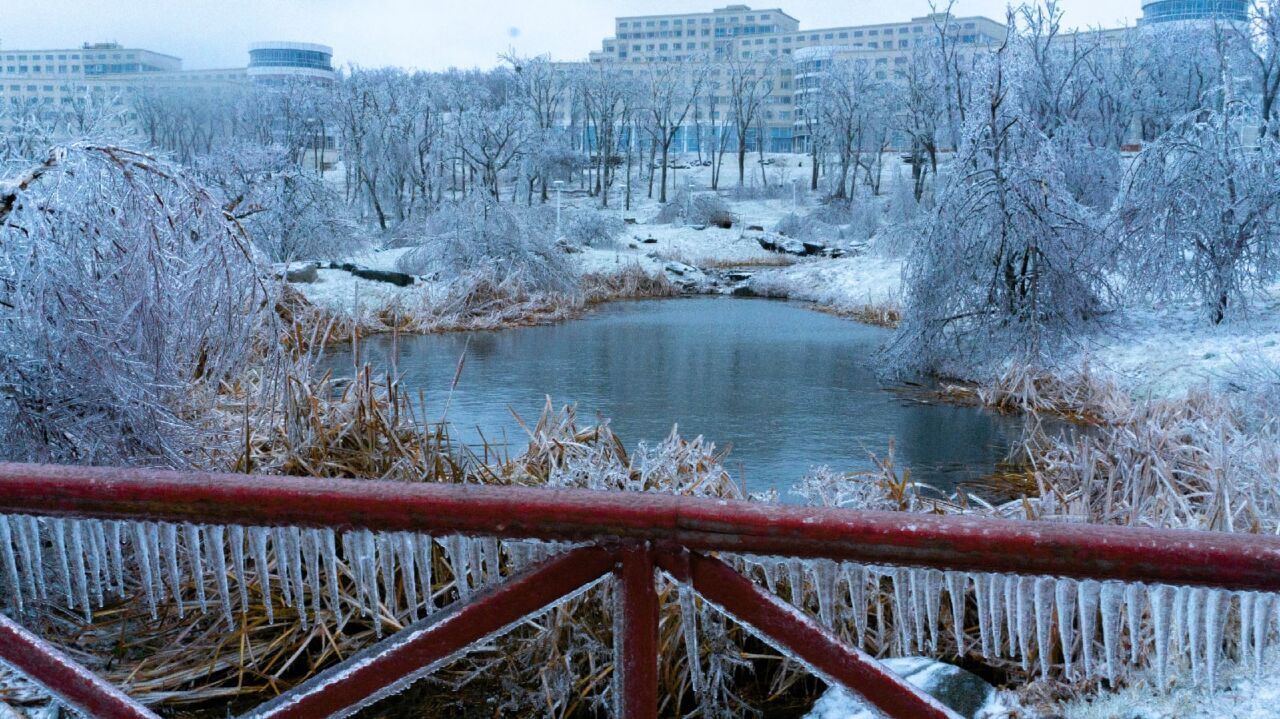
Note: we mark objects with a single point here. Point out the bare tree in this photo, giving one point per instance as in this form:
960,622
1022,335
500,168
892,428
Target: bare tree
750,84
670,92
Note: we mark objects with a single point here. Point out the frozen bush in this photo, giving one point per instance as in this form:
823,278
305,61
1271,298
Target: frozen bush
1011,264
592,228
480,236
289,211
702,208
123,288
1202,210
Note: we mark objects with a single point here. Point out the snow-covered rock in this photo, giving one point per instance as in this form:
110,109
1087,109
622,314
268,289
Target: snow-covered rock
965,693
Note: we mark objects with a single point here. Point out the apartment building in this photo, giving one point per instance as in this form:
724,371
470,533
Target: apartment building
773,38
53,80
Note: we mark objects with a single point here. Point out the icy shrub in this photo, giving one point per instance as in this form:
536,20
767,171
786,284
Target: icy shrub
592,228
480,236
1091,174
288,210
702,208
792,225
1010,264
1201,209
122,288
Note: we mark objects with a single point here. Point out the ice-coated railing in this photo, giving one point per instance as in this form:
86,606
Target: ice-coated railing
1039,592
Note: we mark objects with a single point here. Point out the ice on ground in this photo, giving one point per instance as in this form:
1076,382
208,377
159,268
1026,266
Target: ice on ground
845,283
1242,694
965,693
1167,349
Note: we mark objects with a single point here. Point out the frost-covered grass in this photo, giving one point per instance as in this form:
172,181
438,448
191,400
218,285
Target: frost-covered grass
1244,693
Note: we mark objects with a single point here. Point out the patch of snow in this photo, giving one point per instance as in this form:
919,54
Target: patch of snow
1167,350
1244,694
920,673
844,283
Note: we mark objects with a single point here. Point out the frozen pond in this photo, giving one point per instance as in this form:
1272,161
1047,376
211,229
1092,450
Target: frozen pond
786,387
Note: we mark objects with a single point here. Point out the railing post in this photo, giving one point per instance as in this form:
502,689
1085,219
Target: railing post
75,685
636,650
785,627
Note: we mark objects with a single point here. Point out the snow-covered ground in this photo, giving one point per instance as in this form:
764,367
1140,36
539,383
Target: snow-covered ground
1167,350
843,283
1241,694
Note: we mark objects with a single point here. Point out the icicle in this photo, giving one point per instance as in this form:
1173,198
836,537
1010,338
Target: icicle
1025,619
770,575
37,555
517,553
856,578
144,561
311,551
1261,618
11,564
78,571
385,544
258,544
475,564
1042,604
956,593
1246,626
368,555
1178,637
1212,634
95,552
881,630
169,548
1064,594
932,599
404,547
195,555
1195,605
1133,614
284,564
237,565
329,548
426,566
901,611
351,549
492,559
18,526
995,585
796,582
293,546
458,553
64,565
1087,594
825,583
982,602
115,546
157,561
1011,613
98,560
1161,598
1111,596
915,592
218,560
689,624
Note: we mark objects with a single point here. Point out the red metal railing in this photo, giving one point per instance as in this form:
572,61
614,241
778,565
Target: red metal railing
625,535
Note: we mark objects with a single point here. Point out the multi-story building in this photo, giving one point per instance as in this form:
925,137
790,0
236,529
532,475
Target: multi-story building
775,40
1158,11
53,79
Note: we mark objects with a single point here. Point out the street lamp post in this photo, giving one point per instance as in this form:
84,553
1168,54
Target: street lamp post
795,195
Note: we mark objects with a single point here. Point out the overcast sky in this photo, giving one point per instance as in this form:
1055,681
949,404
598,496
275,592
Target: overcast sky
427,34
